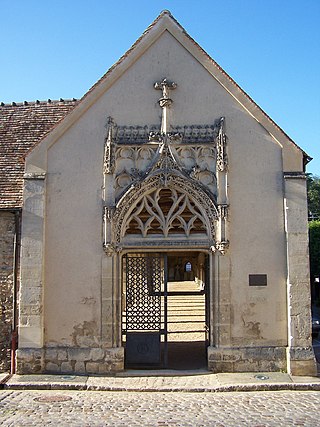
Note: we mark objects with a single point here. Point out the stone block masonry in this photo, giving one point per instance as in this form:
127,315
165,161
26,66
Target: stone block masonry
70,360
247,359
7,232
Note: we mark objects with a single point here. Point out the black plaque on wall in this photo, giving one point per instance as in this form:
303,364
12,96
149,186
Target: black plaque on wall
257,280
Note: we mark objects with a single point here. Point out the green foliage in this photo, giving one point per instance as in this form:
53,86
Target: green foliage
314,245
313,187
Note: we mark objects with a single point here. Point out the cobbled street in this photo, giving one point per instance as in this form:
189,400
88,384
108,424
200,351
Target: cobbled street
93,408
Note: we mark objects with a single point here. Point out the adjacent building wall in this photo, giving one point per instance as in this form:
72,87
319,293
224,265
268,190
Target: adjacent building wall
7,237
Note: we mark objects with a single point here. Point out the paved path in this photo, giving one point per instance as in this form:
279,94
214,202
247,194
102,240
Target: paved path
165,381
83,408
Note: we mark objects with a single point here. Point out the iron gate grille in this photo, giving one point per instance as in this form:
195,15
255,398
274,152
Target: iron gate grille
146,308
144,276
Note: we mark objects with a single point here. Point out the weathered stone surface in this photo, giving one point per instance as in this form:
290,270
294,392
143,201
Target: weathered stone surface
246,359
303,367
115,353
79,354
301,353
52,367
62,354
25,355
7,232
97,354
66,367
70,360
80,368
92,367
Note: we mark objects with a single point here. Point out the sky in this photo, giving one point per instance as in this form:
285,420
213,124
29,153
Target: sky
271,48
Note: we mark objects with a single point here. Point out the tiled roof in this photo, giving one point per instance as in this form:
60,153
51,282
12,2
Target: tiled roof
21,127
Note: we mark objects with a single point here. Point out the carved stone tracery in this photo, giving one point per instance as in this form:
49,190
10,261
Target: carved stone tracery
134,162
132,198
165,180
165,212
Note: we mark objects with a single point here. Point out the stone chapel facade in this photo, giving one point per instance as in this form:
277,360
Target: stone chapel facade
164,172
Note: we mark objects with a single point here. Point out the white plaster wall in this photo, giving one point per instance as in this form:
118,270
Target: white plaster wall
257,239
73,238
73,248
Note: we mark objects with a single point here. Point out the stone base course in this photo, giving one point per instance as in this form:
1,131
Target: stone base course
70,360
247,359
99,361
302,361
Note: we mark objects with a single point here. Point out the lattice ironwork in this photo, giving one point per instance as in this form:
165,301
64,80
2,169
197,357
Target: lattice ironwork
144,279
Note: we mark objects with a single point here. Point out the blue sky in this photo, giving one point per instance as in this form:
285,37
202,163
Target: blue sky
271,48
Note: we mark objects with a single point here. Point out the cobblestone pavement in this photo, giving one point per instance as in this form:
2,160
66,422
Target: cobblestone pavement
80,408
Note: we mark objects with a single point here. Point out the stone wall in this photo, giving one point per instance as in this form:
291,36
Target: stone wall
301,359
247,359
7,232
67,360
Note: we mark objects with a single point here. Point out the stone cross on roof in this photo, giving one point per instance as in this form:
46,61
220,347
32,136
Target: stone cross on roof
165,102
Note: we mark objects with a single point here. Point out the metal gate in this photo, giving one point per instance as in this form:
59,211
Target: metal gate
146,310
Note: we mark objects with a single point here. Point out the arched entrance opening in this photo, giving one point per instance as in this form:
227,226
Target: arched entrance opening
166,237
165,316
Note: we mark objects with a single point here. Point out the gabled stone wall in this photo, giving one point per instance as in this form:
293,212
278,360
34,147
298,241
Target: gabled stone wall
7,232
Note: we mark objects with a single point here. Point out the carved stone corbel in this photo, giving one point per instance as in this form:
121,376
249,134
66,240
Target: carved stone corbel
213,248
111,249
222,246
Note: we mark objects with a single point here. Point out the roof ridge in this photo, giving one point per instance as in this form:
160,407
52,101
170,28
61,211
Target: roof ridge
127,53
37,102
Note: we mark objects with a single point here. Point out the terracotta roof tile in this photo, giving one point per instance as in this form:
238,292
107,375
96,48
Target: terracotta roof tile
22,125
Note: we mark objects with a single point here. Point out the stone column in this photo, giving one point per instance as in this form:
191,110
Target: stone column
300,357
111,310
31,332
219,353
201,270
110,268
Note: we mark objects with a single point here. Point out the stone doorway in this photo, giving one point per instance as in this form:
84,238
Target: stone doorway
165,310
